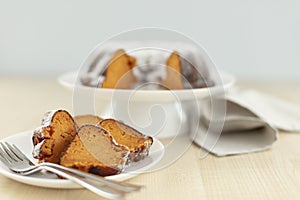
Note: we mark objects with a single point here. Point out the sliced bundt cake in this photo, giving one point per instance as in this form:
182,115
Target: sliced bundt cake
137,143
50,140
118,73
94,150
173,80
104,149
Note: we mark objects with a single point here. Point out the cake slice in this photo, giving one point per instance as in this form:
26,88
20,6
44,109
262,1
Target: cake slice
86,119
118,72
137,143
94,150
173,80
50,140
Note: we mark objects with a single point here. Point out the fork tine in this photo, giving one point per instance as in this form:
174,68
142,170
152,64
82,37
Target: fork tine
8,152
5,156
20,154
16,153
4,159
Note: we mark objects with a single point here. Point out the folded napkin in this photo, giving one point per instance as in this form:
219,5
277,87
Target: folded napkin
251,123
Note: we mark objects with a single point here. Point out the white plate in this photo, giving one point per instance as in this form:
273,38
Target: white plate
24,142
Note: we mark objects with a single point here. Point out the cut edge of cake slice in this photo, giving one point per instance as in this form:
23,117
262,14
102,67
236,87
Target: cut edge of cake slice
94,150
119,74
173,80
57,130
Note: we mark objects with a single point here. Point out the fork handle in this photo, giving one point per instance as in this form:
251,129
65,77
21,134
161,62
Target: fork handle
102,191
126,187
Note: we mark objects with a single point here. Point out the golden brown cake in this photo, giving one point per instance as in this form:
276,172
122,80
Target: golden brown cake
50,140
173,80
118,73
137,143
104,149
94,150
86,119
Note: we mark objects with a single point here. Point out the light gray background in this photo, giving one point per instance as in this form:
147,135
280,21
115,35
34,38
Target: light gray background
258,39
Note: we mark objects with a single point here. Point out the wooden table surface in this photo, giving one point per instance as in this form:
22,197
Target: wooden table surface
272,174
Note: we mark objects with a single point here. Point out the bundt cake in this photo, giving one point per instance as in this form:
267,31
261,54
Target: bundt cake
118,73
94,150
50,140
103,149
196,67
173,80
137,143
86,119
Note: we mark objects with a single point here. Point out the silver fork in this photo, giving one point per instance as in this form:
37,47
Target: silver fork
18,162
32,168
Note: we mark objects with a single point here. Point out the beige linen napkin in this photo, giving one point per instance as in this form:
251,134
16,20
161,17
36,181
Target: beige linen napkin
251,123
